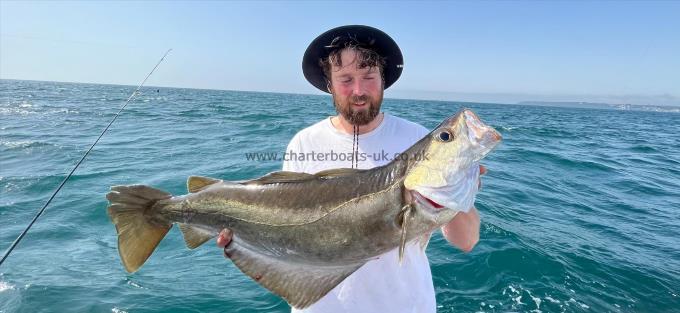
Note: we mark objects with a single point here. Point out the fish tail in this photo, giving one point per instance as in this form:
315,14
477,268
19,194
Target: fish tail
137,235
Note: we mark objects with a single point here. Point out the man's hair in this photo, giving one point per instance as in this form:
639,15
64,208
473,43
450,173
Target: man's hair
365,57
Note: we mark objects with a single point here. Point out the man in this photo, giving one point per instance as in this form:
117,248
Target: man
355,64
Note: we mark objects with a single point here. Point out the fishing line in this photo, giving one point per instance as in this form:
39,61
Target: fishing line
40,212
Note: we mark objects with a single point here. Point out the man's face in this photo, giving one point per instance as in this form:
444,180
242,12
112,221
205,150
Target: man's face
357,92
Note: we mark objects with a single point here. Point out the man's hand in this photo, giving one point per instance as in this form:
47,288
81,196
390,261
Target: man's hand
223,240
463,230
482,171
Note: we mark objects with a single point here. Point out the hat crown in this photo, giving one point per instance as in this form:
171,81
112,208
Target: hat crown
342,41
351,35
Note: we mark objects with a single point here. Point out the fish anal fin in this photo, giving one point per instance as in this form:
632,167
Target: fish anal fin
197,183
194,236
301,285
280,177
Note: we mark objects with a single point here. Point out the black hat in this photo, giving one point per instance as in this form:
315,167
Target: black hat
366,36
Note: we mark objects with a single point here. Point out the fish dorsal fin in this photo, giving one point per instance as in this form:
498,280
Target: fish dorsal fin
197,183
300,284
194,236
337,172
280,177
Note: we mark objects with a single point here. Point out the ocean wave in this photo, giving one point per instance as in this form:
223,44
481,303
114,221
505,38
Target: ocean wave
33,111
505,128
24,144
643,149
562,160
541,132
4,286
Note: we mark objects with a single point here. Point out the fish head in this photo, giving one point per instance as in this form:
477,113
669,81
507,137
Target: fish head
447,174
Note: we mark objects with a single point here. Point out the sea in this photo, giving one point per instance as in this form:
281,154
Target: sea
580,207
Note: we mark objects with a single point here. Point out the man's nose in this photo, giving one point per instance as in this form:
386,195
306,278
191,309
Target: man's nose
358,88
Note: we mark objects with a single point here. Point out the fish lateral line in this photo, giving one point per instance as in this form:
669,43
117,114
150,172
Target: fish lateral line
318,219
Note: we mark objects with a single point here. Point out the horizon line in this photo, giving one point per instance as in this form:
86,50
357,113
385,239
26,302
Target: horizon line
234,90
520,102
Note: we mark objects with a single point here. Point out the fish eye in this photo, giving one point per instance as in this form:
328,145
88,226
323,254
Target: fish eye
445,136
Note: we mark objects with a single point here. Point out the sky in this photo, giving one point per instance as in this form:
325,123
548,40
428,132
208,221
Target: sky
503,52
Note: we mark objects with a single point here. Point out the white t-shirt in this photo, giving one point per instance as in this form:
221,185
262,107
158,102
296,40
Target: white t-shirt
381,285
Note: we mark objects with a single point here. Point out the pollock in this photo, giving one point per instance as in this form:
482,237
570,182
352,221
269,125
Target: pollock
299,235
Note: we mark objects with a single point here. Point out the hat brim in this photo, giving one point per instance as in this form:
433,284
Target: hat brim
383,44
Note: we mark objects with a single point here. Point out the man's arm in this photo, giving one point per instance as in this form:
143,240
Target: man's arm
463,230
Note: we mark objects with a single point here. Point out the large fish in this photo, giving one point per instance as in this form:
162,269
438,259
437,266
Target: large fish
299,235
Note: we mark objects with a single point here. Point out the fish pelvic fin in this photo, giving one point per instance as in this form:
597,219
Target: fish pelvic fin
137,236
300,284
194,236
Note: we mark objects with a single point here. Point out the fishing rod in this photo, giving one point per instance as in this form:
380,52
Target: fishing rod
40,212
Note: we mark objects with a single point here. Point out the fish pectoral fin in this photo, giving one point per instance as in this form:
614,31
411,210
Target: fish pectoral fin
280,177
300,284
194,236
405,217
197,183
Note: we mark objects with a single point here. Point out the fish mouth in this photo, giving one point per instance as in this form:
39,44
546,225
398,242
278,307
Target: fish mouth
481,133
430,205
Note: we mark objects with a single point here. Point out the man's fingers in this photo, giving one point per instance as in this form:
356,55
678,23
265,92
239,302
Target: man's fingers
482,171
224,238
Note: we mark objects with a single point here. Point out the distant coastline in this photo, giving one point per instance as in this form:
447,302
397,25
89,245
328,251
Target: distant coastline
595,105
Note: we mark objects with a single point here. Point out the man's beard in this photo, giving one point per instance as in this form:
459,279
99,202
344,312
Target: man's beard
361,117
